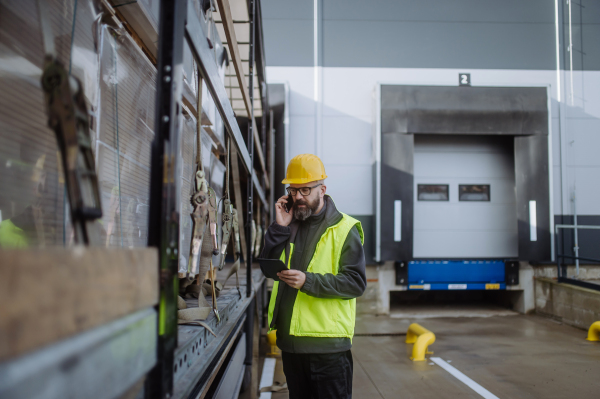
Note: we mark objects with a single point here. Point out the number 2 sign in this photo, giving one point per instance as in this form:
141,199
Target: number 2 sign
464,79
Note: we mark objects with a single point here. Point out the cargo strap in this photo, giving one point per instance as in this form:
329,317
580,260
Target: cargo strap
237,190
203,200
277,387
201,251
214,292
252,237
68,118
193,316
230,221
200,202
236,250
258,238
199,198
212,198
226,215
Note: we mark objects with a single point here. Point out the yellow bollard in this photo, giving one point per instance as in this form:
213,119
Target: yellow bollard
272,338
421,338
594,332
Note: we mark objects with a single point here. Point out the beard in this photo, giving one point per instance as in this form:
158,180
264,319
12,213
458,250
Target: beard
305,212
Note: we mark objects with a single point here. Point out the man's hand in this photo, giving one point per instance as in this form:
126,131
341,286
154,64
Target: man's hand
282,217
293,278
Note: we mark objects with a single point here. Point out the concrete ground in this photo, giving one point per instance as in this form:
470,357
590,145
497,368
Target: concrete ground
510,356
432,311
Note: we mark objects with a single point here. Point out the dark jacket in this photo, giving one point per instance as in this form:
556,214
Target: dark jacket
350,282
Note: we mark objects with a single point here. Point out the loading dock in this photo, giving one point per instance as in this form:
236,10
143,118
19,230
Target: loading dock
457,224
428,136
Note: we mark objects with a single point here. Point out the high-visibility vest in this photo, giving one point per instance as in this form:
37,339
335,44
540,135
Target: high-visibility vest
12,236
320,317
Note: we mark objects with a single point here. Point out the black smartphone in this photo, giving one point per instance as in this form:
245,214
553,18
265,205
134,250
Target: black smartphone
270,267
289,204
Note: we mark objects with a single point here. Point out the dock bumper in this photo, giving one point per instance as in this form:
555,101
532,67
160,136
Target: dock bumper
594,332
421,338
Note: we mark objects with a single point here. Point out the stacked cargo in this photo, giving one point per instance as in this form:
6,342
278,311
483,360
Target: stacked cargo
119,82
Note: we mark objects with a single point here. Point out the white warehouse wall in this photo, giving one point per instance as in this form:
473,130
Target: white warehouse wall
345,137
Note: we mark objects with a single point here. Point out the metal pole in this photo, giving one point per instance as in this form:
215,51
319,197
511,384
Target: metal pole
271,168
263,135
558,258
571,54
163,223
250,310
264,147
249,343
576,247
250,184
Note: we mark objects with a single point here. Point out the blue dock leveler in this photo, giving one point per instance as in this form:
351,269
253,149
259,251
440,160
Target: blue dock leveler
457,274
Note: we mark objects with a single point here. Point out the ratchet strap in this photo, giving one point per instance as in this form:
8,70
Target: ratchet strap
230,221
212,220
68,118
214,292
200,202
203,200
199,199
226,215
257,245
276,387
198,286
193,316
212,198
258,238
236,250
252,237
201,251
192,290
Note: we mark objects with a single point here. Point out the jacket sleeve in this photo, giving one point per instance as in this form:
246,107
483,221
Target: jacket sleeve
275,240
351,280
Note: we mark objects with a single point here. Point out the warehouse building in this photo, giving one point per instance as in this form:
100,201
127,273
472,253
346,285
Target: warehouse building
452,130
143,150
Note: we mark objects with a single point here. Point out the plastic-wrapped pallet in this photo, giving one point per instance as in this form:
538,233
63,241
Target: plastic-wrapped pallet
120,89
32,195
125,134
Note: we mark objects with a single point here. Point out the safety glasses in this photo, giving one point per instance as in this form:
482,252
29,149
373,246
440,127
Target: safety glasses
305,191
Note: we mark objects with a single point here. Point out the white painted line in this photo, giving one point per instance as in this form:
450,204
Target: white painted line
463,378
266,379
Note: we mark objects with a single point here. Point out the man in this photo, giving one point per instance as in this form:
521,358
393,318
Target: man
313,307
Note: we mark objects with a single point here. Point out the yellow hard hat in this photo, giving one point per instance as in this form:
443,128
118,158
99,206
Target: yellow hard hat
304,168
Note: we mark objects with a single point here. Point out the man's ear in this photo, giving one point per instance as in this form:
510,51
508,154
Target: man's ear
323,190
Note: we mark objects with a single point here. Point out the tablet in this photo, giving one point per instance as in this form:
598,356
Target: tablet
271,267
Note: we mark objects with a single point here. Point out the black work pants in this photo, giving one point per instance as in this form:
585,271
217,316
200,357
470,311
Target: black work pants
318,376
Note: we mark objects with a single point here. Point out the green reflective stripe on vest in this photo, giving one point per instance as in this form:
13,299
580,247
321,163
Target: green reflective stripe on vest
319,317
